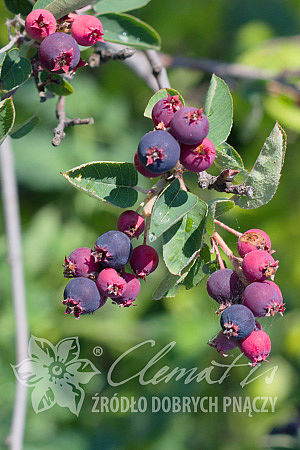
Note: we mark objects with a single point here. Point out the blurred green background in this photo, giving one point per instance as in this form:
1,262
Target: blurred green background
56,219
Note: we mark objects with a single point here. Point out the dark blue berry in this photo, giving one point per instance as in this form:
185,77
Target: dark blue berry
189,125
113,249
81,296
158,151
237,322
224,286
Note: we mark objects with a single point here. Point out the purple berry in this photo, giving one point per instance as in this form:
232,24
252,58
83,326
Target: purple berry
263,299
164,110
144,260
223,344
257,346
189,125
237,322
81,263
259,265
110,283
225,287
131,223
59,53
81,296
198,157
131,291
253,239
158,151
141,169
113,249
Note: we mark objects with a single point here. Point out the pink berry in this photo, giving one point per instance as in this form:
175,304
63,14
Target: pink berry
144,260
257,346
131,291
263,299
131,223
259,265
39,24
198,157
59,53
223,344
141,169
81,263
87,30
164,110
253,239
110,283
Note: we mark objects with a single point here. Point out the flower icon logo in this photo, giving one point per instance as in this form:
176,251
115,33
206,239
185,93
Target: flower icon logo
55,373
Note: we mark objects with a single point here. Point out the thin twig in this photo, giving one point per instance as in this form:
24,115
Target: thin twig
227,228
158,69
223,183
103,53
218,254
13,232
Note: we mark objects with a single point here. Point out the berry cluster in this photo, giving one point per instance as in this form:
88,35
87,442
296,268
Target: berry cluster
180,135
245,296
98,274
59,50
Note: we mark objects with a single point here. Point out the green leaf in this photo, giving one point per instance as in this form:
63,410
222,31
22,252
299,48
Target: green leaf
184,239
228,158
265,174
128,30
22,7
167,288
15,70
117,6
25,128
171,205
162,93
59,86
112,182
219,110
216,208
60,8
202,268
7,118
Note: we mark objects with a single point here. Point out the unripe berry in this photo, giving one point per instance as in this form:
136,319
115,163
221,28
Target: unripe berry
59,53
223,344
141,169
110,283
259,265
257,346
237,322
81,296
131,291
189,125
131,223
198,157
81,263
39,24
164,110
253,239
225,287
113,249
144,260
263,299
158,151
87,30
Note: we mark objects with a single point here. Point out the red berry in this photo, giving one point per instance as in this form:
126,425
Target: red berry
253,239
81,263
198,157
59,53
87,30
144,260
141,169
222,344
257,346
39,24
263,299
259,265
110,283
131,223
164,110
131,291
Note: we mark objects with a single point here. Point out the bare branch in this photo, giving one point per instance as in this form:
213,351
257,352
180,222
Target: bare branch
158,69
223,183
104,53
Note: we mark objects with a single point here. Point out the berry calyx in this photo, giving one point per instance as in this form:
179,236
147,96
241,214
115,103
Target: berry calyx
59,53
164,110
257,346
189,125
237,322
259,265
144,260
141,169
87,30
131,223
263,299
113,249
110,283
81,296
81,263
253,239
198,157
39,24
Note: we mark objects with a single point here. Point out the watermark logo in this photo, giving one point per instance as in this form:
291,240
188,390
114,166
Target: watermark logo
55,373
